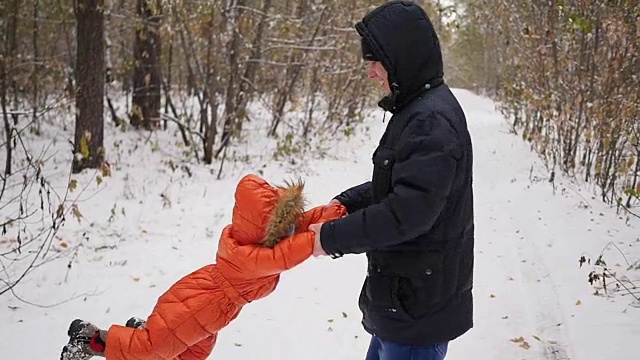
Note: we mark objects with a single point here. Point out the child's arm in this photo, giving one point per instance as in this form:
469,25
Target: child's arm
250,261
253,261
321,214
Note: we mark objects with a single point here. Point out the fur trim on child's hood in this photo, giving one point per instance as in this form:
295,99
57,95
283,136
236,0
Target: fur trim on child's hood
264,213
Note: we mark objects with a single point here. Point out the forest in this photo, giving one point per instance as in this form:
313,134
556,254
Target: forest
565,73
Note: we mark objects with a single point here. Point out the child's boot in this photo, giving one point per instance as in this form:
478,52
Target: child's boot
85,341
135,322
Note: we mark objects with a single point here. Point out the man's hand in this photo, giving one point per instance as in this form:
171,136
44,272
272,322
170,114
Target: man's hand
317,246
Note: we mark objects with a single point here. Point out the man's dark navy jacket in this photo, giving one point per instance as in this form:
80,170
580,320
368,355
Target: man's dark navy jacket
414,219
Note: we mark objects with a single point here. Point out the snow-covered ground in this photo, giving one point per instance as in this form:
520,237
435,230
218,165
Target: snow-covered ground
147,225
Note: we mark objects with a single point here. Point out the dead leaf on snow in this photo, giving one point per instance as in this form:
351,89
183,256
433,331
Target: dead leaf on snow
76,212
523,344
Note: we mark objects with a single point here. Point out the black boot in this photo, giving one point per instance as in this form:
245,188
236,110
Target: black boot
135,322
85,341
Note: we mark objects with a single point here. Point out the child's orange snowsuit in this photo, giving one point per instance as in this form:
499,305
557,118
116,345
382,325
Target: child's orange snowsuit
186,319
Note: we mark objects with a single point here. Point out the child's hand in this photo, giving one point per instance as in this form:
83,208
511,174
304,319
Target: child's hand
331,203
317,245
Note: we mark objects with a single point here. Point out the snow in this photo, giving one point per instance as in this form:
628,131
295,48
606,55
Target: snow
532,299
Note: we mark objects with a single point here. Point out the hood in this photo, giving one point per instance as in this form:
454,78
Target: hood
265,214
403,38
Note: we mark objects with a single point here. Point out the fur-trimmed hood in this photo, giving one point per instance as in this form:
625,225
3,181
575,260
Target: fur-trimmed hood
269,234
264,213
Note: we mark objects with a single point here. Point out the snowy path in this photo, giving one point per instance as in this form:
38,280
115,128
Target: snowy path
527,280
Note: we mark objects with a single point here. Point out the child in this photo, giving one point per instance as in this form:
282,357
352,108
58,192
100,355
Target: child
268,235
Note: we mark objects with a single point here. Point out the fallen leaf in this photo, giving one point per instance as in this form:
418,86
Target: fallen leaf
76,212
106,169
344,314
73,184
329,321
64,245
523,343
136,279
535,337
578,303
237,344
517,340
492,296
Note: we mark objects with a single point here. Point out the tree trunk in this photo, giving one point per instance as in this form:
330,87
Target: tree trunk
36,67
146,73
10,24
90,76
211,86
233,48
244,92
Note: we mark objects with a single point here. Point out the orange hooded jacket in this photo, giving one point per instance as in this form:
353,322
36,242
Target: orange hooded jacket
268,235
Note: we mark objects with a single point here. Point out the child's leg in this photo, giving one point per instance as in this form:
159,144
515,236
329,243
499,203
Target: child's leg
199,351
194,309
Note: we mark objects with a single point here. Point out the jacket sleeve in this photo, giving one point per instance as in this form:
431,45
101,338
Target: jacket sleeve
421,181
356,198
251,261
321,214
185,321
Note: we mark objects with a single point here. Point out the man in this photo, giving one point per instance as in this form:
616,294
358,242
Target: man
414,219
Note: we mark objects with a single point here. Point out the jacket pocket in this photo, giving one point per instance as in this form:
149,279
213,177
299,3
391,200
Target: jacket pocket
383,161
419,295
379,297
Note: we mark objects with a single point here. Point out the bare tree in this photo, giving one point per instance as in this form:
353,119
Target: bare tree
565,74
9,30
147,76
90,76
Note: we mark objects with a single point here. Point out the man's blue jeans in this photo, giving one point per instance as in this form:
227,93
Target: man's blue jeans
384,350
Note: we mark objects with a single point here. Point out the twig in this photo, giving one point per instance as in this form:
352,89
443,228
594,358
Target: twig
621,283
619,250
54,304
183,129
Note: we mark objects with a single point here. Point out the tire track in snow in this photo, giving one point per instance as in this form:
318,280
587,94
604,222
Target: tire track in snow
500,172
544,305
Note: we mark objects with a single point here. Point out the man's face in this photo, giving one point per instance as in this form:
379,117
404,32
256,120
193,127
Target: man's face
379,74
